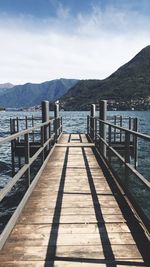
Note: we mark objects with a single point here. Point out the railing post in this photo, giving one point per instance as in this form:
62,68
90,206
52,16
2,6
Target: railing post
130,123
26,122
127,155
115,123
102,126
12,131
92,124
131,127
17,121
120,130
88,124
135,142
109,142
56,117
61,124
45,118
33,126
27,158
95,125
42,143
16,129
50,132
127,147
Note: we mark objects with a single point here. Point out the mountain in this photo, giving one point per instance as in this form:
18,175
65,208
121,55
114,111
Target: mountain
5,86
29,94
131,81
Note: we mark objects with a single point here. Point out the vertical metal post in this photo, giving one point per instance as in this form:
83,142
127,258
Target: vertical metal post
61,124
127,155
130,123
56,116
95,124
49,134
92,121
45,118
17,124
115,122
127,147
131,127
33,126
42,143
109,142
102,130
88,124
12,131
18,139
135,143
120,130
17,120
26,122
27,158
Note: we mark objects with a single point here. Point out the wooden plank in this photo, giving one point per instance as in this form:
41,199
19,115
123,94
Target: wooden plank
26,229
27,253
64,263
76,144
30,219
73,239
70,211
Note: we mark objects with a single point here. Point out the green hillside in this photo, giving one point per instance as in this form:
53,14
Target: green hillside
129,82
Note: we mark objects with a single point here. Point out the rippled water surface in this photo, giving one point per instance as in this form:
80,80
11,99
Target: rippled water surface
75,122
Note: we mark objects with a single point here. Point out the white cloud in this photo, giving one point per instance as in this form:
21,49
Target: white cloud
62,12
88,46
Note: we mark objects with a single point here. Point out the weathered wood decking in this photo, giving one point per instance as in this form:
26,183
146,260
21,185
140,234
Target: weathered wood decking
72,218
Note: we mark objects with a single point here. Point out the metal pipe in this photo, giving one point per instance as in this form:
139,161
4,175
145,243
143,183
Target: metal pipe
102,129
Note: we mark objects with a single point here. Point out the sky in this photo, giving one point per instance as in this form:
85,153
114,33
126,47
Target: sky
43,40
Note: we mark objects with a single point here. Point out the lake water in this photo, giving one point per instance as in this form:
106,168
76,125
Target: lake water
73,122
76,121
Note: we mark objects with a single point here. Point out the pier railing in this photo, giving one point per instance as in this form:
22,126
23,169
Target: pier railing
49,131
18,124
121,155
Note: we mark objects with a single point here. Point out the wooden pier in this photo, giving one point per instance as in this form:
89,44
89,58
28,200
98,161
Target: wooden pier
72,217
74,213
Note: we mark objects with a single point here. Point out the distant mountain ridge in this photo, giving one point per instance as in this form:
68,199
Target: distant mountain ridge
29,94
4,87
131,81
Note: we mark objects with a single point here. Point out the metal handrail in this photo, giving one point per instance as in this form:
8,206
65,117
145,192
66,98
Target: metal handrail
137,134
139,175
23,132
